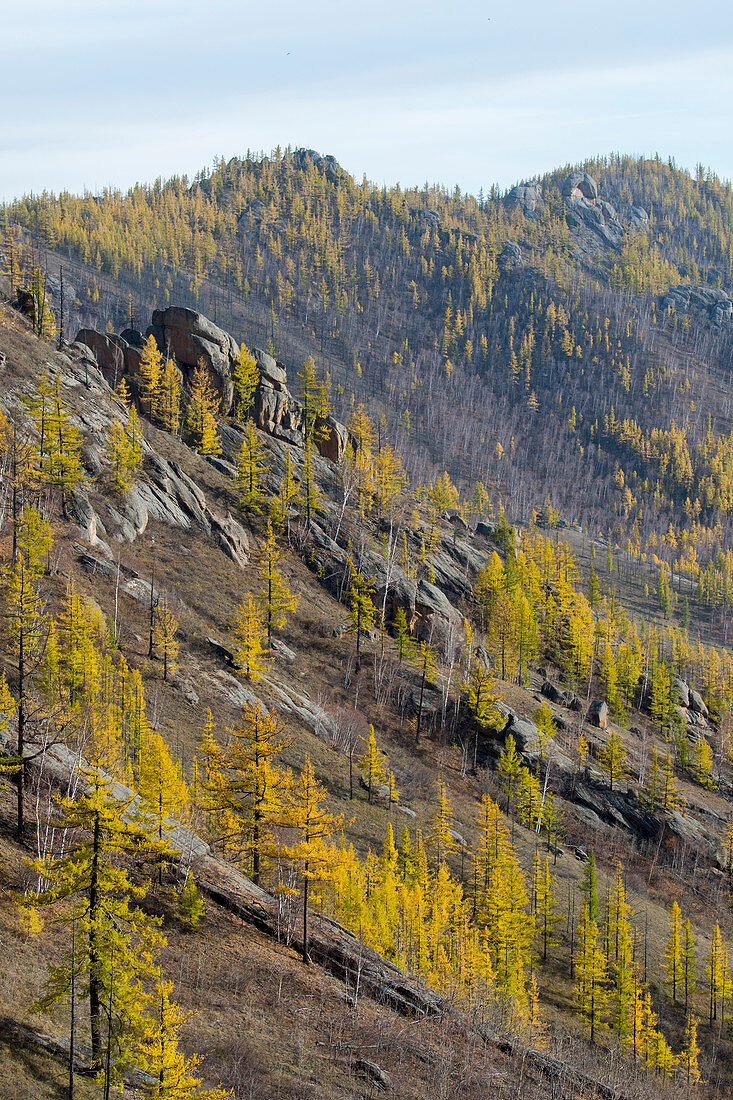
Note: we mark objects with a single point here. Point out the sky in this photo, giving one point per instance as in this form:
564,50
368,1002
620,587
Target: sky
106,93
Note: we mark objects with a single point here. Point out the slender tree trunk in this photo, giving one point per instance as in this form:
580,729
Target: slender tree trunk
21,728
306,956
94,982
73,1010
419,709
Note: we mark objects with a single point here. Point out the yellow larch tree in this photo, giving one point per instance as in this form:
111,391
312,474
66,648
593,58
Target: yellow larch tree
165,641
254,786
251,468
249,638
171,1071
276,598
372,763
202,412
313,825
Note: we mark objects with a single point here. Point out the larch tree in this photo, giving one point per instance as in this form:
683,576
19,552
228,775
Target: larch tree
253,786
284,502
689,1057
440,839
246,378
165,640
162,788
202,411
591,977
249,639
276,599
589,887
613,758
167,407
251,469
483,702
688,964
362,611
547,915
172,1073
313,825
151,373
717,974
115,942
509,770
372,763
673,954
424,660
25,628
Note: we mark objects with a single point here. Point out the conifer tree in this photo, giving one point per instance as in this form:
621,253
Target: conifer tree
424,660
246,378
688,963
613,758
673,952
509,770
362,611
151,373
276,598
440,837
313,824
251,467
544,719
167,397
252,785
281,506
591,979
547,916
115,943
60,457
717,974
703,762
405,643
124,450
25,627
190,904
589,887
202,412
165,642
44,320
372,763
160,784
171,1071
690,1054
249,637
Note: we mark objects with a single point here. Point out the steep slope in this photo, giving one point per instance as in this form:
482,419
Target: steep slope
182,533
541,340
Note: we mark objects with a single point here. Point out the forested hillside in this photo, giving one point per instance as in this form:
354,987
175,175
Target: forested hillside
402,663
590,350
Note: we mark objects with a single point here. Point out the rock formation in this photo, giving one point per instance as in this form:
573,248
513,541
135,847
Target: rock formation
585,211
191,337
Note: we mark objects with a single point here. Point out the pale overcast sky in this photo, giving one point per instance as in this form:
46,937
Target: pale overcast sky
110,92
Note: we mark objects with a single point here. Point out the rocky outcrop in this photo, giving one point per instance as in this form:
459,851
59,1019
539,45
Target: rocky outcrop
598,714
190,338
702,299
510,256
326,164
526,196
114,356
585,211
